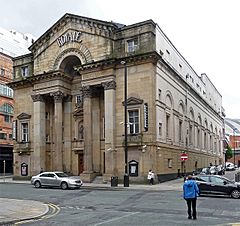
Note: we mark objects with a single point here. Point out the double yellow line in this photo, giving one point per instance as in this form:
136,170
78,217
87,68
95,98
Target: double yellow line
53,211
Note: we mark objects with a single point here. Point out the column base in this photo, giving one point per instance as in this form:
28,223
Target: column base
87,176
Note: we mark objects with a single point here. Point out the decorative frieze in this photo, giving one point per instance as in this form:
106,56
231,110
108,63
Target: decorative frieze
109,85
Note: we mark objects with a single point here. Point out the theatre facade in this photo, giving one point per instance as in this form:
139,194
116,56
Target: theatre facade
69,104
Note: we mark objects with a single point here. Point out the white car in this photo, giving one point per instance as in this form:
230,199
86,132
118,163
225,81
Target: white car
230,166
56,179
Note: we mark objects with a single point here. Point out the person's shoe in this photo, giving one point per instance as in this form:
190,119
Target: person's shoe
189,218
194,218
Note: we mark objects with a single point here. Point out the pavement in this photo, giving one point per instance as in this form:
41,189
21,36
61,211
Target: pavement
13,210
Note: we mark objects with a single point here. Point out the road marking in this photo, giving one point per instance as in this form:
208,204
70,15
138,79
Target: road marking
53,209
117,218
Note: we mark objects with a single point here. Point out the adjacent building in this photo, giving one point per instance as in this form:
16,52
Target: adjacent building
232,133
69,104
12,44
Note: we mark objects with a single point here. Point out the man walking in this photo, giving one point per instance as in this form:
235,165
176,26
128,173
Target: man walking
190,193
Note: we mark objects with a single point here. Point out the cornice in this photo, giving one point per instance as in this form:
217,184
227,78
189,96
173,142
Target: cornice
29,81
152,57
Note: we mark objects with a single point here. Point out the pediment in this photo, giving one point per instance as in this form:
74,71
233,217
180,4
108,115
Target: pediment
70,21
24,116
133,101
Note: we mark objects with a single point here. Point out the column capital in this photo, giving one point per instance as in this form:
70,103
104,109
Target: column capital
37,98
109,85
86,92
58,96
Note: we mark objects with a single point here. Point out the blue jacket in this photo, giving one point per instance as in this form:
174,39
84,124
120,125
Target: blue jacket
190,189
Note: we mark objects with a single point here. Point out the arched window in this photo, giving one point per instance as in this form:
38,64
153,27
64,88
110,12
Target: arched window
6,108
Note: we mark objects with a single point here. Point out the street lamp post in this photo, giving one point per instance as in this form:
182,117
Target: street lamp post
126,176
234,150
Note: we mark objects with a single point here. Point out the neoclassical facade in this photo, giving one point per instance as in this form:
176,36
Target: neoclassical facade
69,112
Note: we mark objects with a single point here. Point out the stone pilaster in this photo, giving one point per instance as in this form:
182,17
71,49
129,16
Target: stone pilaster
39,134
67,133
58,130
110,112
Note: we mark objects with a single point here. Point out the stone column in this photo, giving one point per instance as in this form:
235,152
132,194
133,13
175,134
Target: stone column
67,133
110,119
87,174
39,134
58,130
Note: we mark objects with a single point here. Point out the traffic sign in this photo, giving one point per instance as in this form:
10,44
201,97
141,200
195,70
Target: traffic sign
184,157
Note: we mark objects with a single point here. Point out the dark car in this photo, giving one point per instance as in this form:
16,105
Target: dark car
217,185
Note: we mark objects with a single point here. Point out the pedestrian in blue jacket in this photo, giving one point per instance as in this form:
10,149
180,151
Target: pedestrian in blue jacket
190,193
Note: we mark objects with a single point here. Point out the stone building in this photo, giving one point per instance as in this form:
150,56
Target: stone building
69,112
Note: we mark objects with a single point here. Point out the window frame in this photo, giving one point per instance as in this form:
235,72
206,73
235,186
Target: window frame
132,125
24,135
132,45
24,71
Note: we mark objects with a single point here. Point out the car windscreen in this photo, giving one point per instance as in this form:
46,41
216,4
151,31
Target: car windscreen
61,174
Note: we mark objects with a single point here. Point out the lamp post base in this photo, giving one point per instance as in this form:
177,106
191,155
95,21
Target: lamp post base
126,180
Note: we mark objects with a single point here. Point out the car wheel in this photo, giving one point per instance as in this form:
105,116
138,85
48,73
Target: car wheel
64,185
37,184
235,194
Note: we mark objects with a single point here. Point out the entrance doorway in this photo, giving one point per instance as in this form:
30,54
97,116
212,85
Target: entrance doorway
80,163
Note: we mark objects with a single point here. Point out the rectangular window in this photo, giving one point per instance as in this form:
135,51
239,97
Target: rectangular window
180,131
3,136
199,138
160,129
159,94
205,140
24,71
133,116
190,134
167,125
7,118
10,136
169,163
132,45
79,99
24,131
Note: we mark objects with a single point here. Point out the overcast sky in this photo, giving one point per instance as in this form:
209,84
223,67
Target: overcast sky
206,32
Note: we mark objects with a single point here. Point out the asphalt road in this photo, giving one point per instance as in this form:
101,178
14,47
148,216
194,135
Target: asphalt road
93,207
